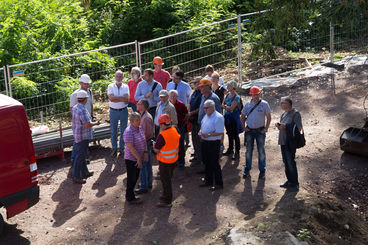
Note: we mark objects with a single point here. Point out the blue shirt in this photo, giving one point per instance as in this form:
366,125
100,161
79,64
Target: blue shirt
212,124
213,97
159,111
184,91
229,101
194,103
143,88
80,117
256,119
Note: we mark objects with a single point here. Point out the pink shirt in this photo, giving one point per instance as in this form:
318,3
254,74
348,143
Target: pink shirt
132,88
162,77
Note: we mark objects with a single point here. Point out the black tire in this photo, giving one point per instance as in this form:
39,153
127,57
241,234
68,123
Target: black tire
1,224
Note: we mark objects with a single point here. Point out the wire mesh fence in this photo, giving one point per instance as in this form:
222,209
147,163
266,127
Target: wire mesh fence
46,85
3,81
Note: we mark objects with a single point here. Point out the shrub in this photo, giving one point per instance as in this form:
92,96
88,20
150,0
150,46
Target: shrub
64,89
99,89
23,88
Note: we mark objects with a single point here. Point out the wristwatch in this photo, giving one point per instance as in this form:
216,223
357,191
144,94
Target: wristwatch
208,134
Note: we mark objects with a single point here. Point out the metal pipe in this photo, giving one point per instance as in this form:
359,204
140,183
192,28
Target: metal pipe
239,50
5,80
136,53
9,81
140,56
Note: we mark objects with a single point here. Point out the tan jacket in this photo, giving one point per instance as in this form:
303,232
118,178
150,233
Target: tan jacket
170,110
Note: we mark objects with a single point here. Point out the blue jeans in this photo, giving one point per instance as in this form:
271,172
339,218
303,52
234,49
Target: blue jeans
115,117
260,139
146,171
72,158
133,106
288,157
80,165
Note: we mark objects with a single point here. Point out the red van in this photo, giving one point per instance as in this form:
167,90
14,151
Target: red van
19,188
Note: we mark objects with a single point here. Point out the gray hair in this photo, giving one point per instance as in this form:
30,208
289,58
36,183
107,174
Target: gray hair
215,74
287,99
134,115
137,70
199,78
209,103
232,84
174,91
119,72
145,103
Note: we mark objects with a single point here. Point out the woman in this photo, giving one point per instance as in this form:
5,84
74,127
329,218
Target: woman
219,90
288,119
132,84
135,141
231,105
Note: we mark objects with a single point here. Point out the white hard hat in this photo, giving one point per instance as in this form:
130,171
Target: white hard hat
85,79
82,94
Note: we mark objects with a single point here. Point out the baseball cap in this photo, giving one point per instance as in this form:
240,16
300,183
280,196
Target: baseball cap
82,94
163,93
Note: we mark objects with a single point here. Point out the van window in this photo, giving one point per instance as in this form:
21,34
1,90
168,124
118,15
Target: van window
11,140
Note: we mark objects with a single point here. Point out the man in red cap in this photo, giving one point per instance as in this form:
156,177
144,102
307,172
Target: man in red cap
254,114
167,149
160,74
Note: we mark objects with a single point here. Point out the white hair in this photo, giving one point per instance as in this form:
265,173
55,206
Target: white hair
209,103
174,91
137,70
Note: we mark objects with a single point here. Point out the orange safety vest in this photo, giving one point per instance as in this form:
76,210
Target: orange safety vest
169,152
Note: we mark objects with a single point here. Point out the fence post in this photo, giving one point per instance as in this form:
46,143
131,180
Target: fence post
5,80
332,42
140,56
9,82
136,53
239,51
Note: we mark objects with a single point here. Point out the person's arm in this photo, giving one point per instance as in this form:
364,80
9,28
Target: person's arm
219,128
242,119
218,105
234,104
134,152
138,92
160,142
268,122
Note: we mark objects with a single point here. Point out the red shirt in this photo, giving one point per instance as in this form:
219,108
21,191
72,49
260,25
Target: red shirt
132,88
162,77
181,111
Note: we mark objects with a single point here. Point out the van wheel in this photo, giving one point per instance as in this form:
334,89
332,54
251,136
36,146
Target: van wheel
1,224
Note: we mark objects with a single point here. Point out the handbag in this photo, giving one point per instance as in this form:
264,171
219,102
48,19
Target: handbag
298,136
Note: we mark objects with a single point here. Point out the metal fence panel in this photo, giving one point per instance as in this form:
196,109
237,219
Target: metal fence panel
46,85
3,82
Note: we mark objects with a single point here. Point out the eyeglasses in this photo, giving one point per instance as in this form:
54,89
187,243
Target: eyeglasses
205,108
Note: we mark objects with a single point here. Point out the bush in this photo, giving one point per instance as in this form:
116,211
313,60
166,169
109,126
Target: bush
23,88
99,89
64,89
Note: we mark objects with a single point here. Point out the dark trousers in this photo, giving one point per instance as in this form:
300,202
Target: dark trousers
152,111
132,177
288,157
181,157
211,161
196,139
232,133
166,174
80,165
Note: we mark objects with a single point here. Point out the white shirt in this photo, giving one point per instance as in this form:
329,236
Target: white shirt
213,124
88,105
118,92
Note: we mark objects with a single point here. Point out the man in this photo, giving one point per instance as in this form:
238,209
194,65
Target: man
181,112
132,84
194,103
84,82
209,72
167,148
254,114
118,94
148,128
82,132
149,89
160,74
212,130
183,88
207,94
165,107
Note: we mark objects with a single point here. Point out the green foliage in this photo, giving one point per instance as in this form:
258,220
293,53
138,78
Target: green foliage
64,89
23,88
304,234
99,89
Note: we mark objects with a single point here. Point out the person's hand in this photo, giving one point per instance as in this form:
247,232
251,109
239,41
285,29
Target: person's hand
187,116
149,95
246,129
199,133
282,126
223,107
139,163
204,135
264,131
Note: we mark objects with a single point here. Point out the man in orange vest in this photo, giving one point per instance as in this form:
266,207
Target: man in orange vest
167,149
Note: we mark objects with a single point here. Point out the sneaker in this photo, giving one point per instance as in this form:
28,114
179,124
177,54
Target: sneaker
163,205
262,175
79,181
284,185
113,153
135,201
140,191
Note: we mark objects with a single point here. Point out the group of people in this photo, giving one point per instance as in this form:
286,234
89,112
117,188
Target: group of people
164,109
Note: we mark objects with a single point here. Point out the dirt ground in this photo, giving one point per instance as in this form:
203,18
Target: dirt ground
331,205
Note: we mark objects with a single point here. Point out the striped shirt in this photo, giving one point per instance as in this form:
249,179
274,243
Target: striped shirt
137,137
81,116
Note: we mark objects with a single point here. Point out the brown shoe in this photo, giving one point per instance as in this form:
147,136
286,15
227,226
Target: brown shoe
79,181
